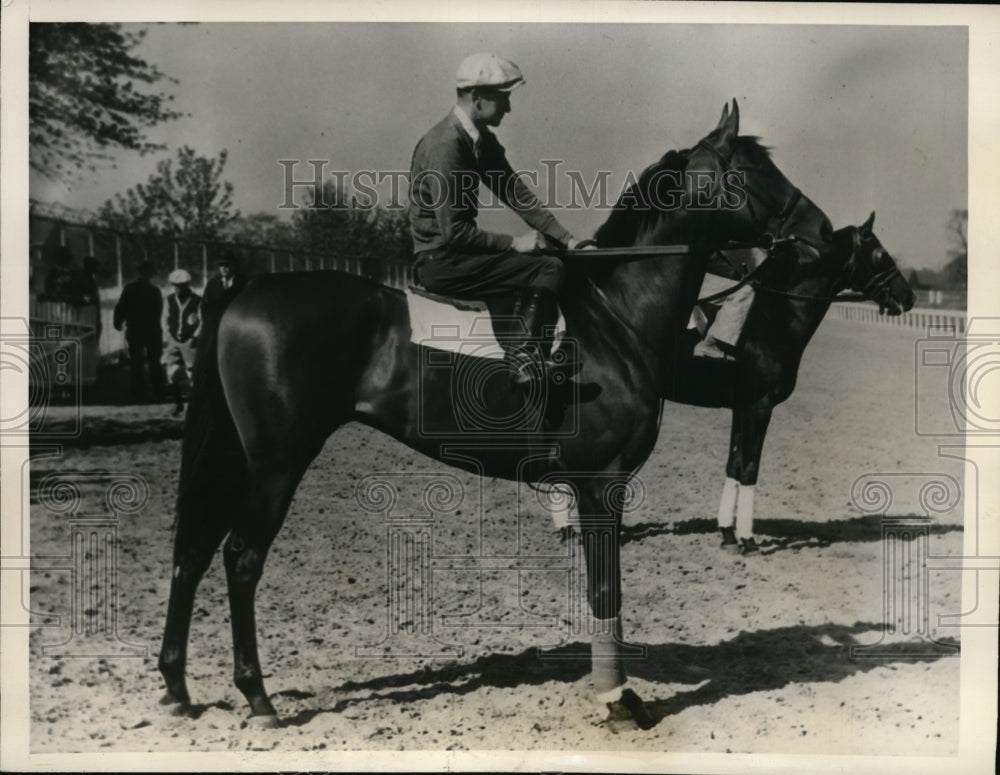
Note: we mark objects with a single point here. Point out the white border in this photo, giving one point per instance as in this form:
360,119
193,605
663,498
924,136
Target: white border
979,655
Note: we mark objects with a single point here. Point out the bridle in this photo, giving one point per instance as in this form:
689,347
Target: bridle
870,291
769,238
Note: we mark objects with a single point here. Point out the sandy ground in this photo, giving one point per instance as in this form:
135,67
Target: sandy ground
740,654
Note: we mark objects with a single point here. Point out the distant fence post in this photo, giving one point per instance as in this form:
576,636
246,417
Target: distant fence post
204,264
118,260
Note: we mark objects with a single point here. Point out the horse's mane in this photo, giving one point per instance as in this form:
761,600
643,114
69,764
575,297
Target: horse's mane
633,213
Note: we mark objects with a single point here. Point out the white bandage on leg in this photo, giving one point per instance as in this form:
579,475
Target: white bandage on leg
727,505
744,511
606,664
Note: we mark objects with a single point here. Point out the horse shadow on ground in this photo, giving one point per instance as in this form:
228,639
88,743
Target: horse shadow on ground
775,535
750,662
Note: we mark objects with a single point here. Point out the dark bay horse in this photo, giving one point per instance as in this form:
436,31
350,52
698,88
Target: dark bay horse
298,355
791,300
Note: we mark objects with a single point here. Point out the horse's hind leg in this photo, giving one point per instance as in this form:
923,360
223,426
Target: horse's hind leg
270,494
200,530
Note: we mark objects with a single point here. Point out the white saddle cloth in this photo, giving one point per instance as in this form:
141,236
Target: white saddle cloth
469,332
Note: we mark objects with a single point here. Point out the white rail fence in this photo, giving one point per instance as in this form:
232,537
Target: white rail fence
918,318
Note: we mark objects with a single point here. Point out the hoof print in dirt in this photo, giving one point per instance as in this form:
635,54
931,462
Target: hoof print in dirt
629,712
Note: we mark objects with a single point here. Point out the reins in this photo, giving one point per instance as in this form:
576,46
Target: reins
767,242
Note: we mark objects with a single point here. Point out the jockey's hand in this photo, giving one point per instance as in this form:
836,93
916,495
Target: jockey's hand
528,243
581,244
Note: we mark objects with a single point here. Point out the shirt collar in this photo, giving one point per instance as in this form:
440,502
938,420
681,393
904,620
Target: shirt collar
467,125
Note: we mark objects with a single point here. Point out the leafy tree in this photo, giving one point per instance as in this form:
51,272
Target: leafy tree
957,269
337,225
260,229
82,98
189,200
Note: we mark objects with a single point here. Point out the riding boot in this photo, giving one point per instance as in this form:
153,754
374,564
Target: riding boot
530,352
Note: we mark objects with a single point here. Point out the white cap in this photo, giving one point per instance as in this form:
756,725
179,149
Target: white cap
179,277
488,70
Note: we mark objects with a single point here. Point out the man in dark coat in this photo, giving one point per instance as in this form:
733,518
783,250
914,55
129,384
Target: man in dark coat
140,309
221,289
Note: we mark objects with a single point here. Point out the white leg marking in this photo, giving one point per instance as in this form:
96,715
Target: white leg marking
744,511
727,506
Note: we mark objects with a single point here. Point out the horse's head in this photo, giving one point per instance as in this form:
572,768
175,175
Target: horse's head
756,200
871,271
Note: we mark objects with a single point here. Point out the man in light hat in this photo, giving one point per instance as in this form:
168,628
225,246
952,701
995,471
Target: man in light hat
456,258
183,320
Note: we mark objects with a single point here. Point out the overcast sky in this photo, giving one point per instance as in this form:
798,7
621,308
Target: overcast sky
860,118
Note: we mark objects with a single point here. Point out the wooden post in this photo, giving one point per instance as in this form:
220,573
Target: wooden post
204,265
62,236
90,242
118,261
177,258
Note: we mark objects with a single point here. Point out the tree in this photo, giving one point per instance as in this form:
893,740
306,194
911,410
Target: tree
82,99
259,229
337,225
189,200
957,269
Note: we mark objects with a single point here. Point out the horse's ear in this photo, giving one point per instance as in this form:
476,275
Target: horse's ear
866,227
726,131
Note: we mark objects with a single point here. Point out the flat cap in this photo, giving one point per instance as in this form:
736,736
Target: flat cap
488,70
179,277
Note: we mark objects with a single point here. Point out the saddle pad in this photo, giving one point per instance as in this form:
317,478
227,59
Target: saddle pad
437,321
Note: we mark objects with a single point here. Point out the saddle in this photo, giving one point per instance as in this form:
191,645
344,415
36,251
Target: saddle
466,326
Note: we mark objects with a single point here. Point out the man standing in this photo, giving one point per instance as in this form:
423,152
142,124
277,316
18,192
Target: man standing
454,256
140,308
183,321
221,289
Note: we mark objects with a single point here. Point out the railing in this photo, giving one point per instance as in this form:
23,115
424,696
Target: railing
918,317
119,255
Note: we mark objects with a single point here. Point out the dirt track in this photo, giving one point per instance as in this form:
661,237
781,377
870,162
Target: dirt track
743,655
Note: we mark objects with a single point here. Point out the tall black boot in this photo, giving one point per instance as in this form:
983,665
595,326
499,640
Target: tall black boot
530,354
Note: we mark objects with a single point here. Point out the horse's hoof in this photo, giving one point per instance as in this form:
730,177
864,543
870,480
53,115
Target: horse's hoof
176,707
264,722
629,709
565,534
748,546
728,538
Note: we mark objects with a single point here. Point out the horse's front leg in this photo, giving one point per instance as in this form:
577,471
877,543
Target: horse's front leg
746,442
600,507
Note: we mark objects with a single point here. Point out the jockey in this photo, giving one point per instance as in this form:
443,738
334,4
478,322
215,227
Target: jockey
456,258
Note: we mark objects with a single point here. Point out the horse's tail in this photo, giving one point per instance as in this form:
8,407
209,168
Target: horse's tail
213,465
